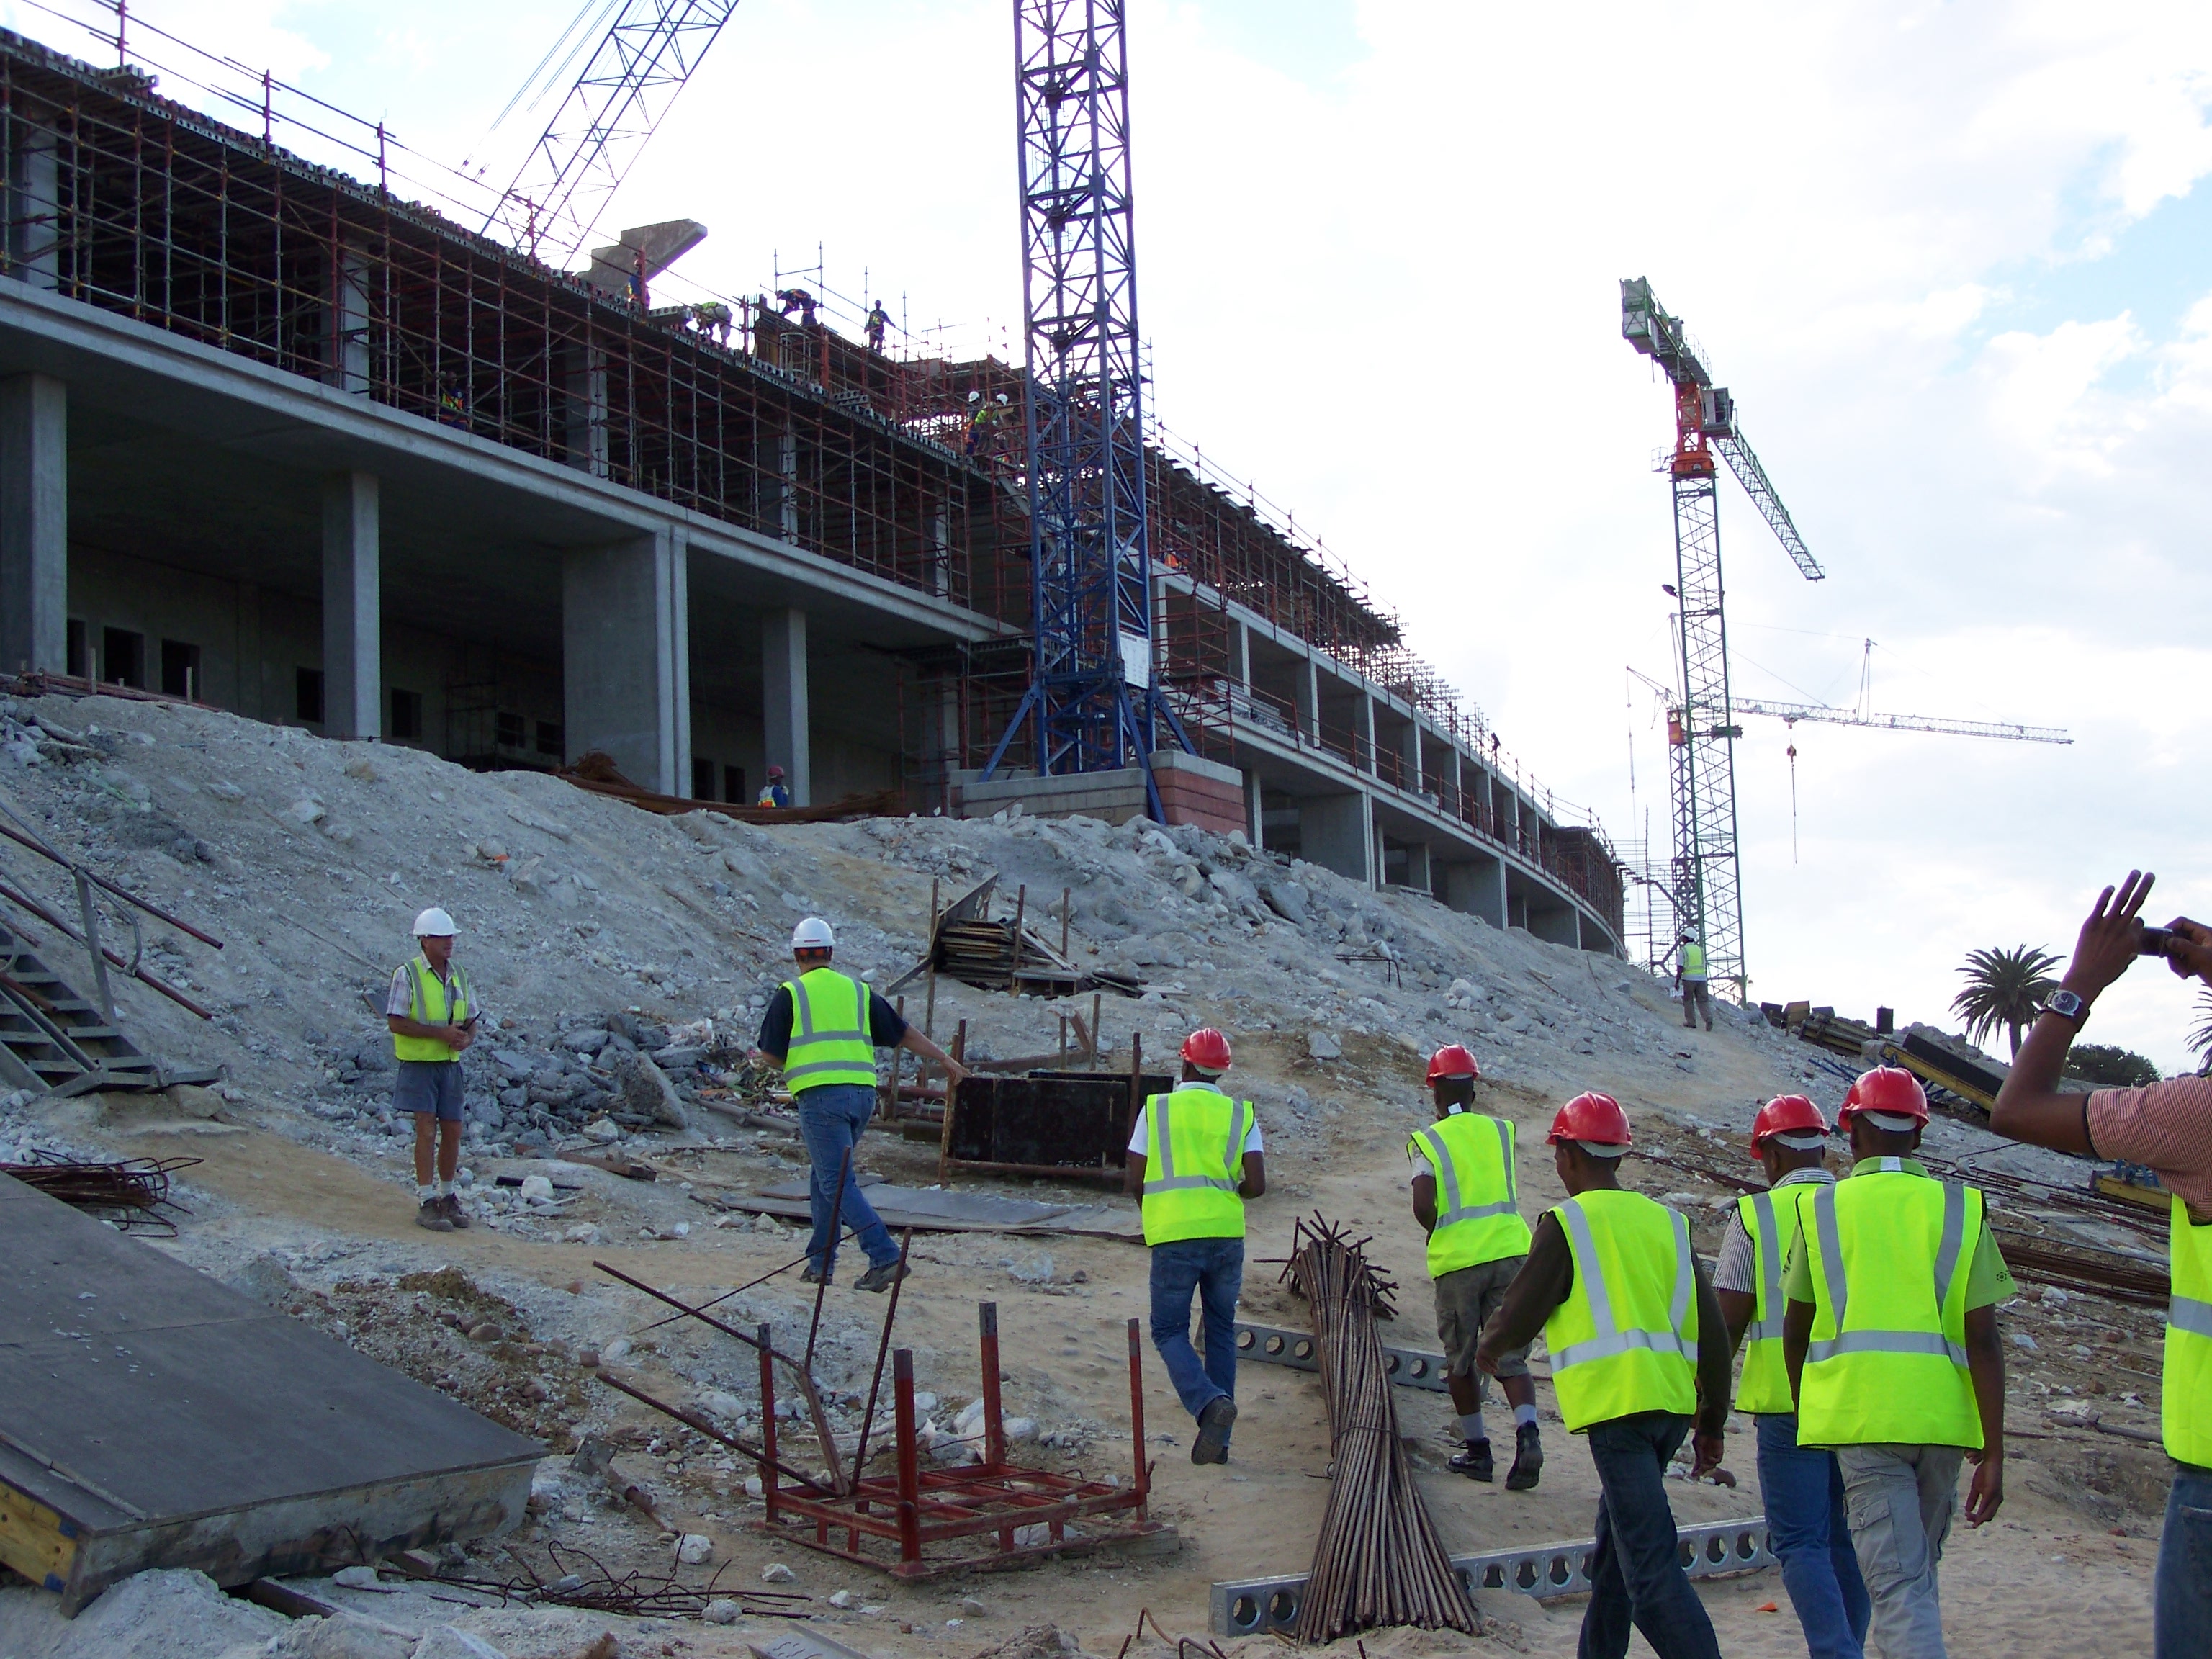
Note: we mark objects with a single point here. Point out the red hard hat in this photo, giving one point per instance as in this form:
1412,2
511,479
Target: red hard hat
1207,1049
1453,1061
1886,1089
1784,1115
1592,1117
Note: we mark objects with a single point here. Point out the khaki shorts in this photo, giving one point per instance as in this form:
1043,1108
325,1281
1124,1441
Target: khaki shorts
1466,1298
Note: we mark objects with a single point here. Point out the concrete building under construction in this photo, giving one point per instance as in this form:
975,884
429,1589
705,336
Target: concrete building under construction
274,439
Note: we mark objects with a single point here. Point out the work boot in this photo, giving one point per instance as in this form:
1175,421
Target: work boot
454,1212
1472,1460
881,1277
431,1215
1527,1458
814,1276
1211,1445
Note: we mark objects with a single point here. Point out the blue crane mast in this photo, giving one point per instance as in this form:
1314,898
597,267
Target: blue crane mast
1092,704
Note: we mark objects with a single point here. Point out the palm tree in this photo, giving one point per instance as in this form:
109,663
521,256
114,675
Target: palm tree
2200,1036
2004,988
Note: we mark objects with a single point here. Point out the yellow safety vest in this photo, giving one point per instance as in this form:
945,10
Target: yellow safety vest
1693,961
1625,1339
2186,1407
1773,1219
1193,1164
1478,1199
1890,1255
829,1032
429,1005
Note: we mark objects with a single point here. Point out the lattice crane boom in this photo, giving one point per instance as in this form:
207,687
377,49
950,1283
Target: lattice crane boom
1822,714
647,53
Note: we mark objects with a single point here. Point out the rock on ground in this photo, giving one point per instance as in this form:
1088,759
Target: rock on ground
150,1615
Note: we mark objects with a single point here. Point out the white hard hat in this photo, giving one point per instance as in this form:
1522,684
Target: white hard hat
434,923
813,934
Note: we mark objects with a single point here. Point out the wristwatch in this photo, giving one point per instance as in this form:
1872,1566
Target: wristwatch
2067,1005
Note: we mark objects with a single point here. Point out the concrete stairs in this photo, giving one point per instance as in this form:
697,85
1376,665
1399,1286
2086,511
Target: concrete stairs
53,1041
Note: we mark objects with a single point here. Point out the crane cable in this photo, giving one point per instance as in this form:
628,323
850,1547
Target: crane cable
1793,794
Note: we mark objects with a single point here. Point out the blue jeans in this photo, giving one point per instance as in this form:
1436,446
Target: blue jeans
1804,1494
1214,1269
1636,1576
830,1121
2181,1594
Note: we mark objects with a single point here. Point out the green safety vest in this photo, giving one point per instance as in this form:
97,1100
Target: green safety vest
1890,1255
1773,1227
1193,1164
428,1006
1625,1339
829,1032
1693,961
2186,1407
1478,1199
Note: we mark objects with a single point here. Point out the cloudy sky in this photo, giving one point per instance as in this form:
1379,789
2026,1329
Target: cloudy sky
1951,259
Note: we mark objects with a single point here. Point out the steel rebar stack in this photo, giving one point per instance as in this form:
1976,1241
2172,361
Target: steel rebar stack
1378,1560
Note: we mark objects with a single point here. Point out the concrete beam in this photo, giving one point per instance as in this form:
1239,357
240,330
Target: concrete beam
353,608
1337,832
784,716
625,679
33,524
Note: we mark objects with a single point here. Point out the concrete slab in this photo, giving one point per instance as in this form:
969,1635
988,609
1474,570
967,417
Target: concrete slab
151,1416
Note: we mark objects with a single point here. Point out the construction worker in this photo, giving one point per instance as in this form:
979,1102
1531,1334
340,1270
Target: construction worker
1637,1349
800,300
1690,980
2162,1126
878,324
775,791
1476,1245
713,317
822,1028
1893,1356
1803,1487
1196,1155
432,1014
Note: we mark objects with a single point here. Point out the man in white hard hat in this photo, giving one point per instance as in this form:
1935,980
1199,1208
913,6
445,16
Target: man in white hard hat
433,1014
824,1029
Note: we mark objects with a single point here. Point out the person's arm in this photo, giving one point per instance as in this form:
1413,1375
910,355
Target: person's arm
1541,1284
2029,1107
1715,1350
1733,1273
889,1029
1252,1175
1736,1309
1986,1365
1425,1202
773,1043
914,1041
455,1037
1796,1340
1133,1174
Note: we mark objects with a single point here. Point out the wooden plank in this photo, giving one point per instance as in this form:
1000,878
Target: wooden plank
2143,1198
34,1540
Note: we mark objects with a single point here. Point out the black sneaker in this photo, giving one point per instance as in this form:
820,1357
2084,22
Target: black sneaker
1211,1445
432,1216
882,1278
1472,1460
1527,1458
812,1276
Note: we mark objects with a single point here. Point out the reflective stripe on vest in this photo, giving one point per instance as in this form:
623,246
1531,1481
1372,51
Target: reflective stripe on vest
1693,961
1876,1383
1489,1228
2185,1411
1194,1157
431,1002
1765,1388
1639,1353
830,1039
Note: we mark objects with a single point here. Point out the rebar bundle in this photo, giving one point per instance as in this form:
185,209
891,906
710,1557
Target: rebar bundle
1378,1560
130,1193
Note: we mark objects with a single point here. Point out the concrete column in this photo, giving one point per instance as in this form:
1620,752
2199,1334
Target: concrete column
783,701
1305,691
1256,827
1477,888
35,200
33,524
1337,832
353,608
1240,653
941,552
1362,732
625,683
787,470
1418,871
585,368
345,310
245,678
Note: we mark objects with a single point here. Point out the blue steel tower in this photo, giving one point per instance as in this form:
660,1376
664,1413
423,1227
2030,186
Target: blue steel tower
1091,705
